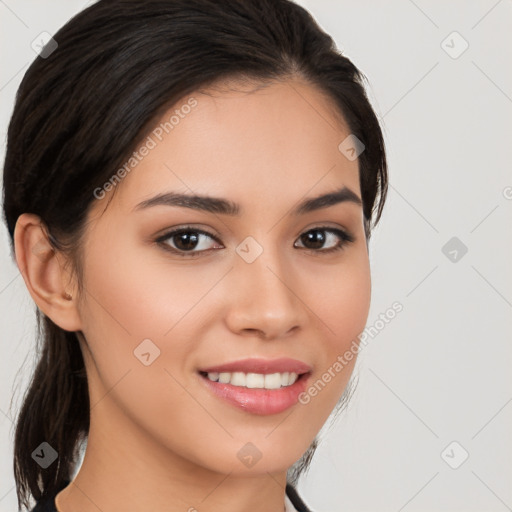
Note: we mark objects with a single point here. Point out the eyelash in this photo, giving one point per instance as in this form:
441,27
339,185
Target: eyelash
344,236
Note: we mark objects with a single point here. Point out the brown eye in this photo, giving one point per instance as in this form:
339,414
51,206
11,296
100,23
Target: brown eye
315,239
186,241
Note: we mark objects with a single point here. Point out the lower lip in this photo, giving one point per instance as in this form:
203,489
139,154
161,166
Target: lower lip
257,400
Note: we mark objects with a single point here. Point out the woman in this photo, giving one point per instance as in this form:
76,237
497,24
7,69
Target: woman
190,188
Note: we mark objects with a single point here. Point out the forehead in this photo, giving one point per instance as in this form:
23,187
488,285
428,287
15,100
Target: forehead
272,142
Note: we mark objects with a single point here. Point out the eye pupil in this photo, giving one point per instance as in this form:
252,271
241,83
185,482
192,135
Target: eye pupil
189,238
316,237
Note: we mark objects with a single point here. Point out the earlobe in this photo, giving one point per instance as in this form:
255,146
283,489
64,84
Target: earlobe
43,271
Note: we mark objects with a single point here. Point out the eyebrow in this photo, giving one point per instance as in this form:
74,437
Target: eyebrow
226,207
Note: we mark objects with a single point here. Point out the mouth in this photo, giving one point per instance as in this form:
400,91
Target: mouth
265,392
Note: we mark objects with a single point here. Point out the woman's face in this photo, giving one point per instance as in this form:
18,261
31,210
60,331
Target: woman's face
259,284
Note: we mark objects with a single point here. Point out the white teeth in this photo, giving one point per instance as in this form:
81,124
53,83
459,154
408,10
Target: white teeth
238,379
255,380
252,380
224,377
273,381
213,376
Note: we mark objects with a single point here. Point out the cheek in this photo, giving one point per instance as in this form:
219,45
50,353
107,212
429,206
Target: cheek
341,299
129,302
136,297
131,298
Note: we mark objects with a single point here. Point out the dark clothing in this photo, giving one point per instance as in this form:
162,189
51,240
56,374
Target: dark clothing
292,493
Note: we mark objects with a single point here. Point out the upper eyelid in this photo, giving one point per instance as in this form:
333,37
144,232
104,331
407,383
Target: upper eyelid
175,231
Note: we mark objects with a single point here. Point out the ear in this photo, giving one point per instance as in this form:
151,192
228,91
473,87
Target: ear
44,273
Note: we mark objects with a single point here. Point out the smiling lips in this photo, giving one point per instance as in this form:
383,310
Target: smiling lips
259,386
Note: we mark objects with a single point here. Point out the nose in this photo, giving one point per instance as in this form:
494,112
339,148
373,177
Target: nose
265,298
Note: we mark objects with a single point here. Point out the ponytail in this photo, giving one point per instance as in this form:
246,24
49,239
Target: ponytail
55,411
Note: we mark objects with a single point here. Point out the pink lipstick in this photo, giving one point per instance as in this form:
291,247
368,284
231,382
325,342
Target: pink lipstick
258,386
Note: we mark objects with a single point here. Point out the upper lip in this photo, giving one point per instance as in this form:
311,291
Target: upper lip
264,366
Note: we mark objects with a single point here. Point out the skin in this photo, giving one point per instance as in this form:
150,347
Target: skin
159,440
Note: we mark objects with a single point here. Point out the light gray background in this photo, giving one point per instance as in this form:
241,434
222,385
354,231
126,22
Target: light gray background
440,371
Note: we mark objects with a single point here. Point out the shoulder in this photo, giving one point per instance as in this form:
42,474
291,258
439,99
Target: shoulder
296,500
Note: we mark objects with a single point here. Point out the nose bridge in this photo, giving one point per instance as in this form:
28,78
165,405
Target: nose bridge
264,299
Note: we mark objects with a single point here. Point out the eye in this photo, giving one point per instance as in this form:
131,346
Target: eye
316,237
185,240
188,241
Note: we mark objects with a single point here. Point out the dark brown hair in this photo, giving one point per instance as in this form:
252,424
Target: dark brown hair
82,109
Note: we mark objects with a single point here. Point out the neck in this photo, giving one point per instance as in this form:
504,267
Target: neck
124,468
